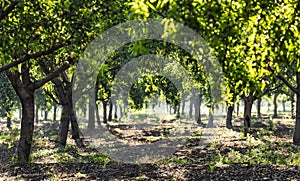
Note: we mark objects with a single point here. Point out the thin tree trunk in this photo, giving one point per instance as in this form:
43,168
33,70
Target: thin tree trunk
37,114
197,105
210,117
46,115
237,108
293,105
183,107
283,106
275,115
104,111
258,108
91,121
54,112
191,107
296,137
98,115
178,111
116,111
8,116
121,111
229,117
110,111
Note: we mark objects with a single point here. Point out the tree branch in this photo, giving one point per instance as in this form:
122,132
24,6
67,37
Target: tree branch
35,55
52,97
51,76
8,10
284,80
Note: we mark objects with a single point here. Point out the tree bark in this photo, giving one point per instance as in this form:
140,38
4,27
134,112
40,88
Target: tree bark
8,116
275,115
46,115
104,111
237,108
27,125
197,105
229,116
91,121
64,124
293,105
210,117
258,108
183,107
54,112
37,114
191,107
248,100
296,136
98,115
110,111
115,111
121,111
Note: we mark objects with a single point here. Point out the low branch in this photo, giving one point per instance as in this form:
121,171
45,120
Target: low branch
51,76
266,91
52,97
284,80
35,55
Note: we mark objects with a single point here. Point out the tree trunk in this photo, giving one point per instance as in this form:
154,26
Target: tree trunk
64,125
27,126
247,112
121,111
37,115
183,107
91,121
110,111
76,134
191,107
98,115
237,108
178,111
116,111
275,115
258,108
54,112
8,116
46,115
210,117
296,137
283,106
229,117
293,105
197,105
104,111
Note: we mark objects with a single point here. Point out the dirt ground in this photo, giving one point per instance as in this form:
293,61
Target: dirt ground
188,163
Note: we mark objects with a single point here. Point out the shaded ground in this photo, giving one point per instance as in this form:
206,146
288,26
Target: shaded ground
266,155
